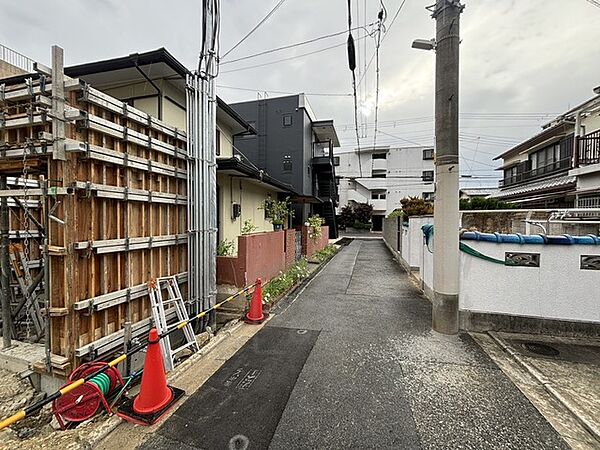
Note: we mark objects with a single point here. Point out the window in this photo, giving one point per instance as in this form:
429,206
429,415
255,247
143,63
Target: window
428,196
378,195
510,175
218,142
545,160
379,155
427,175
287,163
427,154
287,120
379,175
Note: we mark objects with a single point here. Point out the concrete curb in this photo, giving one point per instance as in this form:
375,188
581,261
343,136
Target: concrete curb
546,384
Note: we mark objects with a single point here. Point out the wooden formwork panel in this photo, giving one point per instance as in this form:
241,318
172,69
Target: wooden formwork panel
125,215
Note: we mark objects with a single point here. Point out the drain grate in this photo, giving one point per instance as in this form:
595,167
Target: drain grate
540,349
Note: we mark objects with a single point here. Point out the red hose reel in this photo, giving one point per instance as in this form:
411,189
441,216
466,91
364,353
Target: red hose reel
83,402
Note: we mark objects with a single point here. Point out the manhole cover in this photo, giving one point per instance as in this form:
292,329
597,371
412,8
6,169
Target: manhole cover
540,349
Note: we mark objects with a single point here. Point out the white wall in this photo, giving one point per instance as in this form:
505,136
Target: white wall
412,241
558,289
400,163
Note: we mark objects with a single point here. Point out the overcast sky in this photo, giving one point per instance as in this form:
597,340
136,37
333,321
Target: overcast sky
517,57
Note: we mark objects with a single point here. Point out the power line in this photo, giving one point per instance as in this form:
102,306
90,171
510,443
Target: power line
270,13
383,39
324,94
298,44
291,57
594,2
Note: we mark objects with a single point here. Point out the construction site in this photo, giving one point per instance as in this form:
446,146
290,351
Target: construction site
182,266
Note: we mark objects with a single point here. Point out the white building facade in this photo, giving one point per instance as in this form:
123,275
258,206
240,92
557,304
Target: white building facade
382,176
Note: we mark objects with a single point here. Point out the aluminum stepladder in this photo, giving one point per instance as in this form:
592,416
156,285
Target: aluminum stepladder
30,300
160,308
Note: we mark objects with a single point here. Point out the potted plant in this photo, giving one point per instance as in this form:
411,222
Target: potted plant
314,224
277,212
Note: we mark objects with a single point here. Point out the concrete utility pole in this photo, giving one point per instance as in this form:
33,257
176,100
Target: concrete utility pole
446,216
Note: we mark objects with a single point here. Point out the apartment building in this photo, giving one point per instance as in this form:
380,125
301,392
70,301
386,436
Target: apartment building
382,176
296,148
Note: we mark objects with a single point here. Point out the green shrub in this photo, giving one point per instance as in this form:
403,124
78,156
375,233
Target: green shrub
361,226
363,213
248,227
326,253
346,217
482,203
315,222
415,206
225,247
286,280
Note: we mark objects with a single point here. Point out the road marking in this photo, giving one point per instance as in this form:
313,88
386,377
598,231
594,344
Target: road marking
248,379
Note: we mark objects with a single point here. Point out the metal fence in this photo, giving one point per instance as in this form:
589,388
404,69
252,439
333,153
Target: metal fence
16,59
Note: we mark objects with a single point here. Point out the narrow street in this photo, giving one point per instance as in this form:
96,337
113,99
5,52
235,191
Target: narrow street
351,362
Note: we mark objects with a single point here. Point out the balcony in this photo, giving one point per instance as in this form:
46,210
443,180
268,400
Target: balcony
539,172
380,165
323,158
355,196
589,149
379,205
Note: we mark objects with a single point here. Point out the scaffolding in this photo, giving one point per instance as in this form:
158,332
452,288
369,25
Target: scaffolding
97,194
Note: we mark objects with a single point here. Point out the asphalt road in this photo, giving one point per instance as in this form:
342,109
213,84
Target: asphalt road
351,362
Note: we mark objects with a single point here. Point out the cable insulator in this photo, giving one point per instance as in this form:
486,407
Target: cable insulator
351,53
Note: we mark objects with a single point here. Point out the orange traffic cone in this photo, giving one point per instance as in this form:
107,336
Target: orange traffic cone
154,393
155,397
256,314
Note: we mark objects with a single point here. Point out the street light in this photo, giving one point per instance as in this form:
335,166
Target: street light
424,44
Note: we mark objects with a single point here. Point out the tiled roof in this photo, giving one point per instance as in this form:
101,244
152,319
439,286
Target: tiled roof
535,187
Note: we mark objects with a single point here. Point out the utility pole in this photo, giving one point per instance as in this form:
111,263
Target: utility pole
446,259
5,267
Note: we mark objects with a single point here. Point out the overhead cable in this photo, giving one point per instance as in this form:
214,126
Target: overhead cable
263,20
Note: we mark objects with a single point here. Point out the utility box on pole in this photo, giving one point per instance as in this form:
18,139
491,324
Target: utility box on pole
446,215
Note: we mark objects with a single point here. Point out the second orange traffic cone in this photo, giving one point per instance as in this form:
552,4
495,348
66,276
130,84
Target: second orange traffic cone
155,397
256,314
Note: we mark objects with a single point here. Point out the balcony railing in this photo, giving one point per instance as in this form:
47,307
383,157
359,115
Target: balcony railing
555,167
16,59
589,149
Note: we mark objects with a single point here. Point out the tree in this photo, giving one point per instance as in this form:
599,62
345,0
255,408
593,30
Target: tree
363,213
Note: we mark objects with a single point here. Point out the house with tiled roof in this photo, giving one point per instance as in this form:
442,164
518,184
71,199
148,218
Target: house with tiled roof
560,166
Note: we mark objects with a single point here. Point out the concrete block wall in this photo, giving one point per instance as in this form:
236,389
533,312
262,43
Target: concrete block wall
290,247
259,255
310,246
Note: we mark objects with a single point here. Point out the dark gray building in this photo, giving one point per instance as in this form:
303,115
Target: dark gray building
293,147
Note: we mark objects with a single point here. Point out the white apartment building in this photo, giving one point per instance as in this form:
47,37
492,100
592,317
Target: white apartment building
381,176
